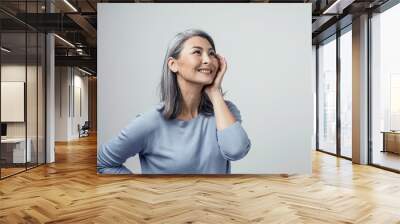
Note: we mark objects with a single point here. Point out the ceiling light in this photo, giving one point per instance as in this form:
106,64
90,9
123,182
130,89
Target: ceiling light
70,5
338,6
86,72
5,50
65,41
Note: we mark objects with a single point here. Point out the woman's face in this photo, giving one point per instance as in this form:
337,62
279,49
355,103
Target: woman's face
197,62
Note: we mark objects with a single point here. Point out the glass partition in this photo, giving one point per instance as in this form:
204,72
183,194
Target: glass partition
346,94
327,96
13,94
22,77
41,91
31,100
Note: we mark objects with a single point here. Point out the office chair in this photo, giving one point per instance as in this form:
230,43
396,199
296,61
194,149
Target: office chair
84,130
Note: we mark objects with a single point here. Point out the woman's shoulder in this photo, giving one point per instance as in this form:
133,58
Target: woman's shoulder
149,119
153,114
159,106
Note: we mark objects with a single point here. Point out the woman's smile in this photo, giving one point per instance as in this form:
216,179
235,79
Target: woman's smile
205,70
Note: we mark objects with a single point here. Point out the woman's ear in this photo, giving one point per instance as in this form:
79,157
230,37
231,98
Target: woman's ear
172,64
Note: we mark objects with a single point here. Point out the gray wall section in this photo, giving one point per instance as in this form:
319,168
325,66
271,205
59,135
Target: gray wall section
68,81
269,77
61,103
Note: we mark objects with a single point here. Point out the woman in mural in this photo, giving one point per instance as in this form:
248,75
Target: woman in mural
193,130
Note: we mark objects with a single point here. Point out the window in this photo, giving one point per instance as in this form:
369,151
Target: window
346,94
385,88
327,96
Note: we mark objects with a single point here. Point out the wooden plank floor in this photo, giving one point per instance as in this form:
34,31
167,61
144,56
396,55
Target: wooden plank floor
70,191
10,171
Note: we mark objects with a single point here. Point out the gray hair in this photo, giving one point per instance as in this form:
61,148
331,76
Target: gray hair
170,94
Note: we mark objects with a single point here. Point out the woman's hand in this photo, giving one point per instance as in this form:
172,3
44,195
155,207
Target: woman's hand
215,87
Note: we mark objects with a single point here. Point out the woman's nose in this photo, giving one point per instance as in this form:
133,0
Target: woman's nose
206,59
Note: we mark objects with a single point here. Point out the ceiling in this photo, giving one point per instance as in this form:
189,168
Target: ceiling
76,22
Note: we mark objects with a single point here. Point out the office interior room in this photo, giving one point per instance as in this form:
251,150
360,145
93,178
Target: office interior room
49,127
22,101
29,59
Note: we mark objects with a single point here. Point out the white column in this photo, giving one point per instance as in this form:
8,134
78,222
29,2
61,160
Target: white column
50,100
360,90
50,92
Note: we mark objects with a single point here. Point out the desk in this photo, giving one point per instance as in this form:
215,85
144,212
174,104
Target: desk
391,141
13,150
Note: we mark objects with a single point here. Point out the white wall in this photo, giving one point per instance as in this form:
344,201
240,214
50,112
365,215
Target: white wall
12,73
16,72
80,84
269,77
68,81
61,103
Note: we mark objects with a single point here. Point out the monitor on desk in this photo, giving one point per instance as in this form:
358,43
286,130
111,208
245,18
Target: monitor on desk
3,130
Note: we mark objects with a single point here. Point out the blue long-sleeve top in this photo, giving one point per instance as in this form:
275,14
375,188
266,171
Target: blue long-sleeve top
172,146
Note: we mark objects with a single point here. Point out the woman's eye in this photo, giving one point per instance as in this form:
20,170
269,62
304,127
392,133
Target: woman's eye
196,52
212,53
